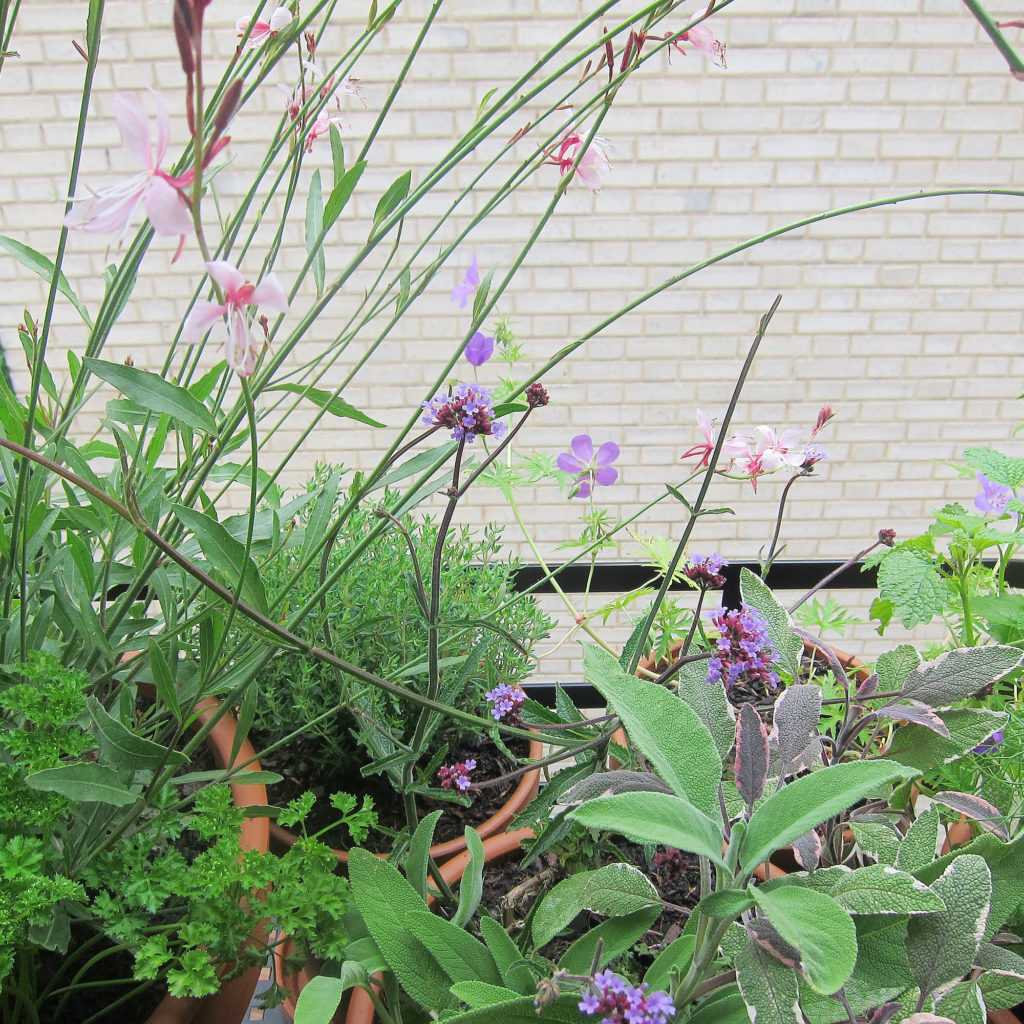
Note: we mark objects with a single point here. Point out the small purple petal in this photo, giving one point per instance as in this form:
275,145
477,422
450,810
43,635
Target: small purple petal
569,464
606,475
606,454
479,349
583,491
473,273
582,447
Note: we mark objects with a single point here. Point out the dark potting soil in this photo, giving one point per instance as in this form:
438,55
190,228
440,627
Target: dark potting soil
510,890
141,998
301,764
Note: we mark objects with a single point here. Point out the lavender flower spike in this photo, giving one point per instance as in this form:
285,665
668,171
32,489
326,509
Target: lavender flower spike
743,651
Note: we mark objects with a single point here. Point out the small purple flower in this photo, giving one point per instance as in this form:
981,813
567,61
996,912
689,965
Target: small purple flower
812,455
466,288
618,1002
590,468
743,650
479,349
456,776
468,411
992,743
992,497
505,701
706,571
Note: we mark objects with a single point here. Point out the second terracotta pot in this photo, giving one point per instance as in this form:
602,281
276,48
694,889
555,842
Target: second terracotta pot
497,823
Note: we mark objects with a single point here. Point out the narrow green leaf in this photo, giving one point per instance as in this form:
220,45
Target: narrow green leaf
477,993
511,963
471,888
334,404
817,926
808,801
416,860
163,678
674,959
314,222
392,197
87,782
342,192
321,996
226,554
35,261
122,748
154,394
240,778
337,154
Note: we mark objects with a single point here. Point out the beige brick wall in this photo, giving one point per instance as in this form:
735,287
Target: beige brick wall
906,319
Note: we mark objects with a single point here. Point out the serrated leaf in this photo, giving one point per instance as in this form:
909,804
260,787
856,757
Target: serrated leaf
154,394
999,468
985,814
918,847
817,926
808,801
750,768
942,946
923,749
880,889
663,728
122,748
910,580
87,782
770,990
655,818
960,673
334,404
785,642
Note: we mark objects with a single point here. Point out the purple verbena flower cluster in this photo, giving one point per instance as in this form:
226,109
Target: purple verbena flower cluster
706,571
618,1002
468,411
505,700
456,776
743,650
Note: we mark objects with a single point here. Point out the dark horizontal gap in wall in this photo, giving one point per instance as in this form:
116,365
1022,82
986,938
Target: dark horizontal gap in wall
619,577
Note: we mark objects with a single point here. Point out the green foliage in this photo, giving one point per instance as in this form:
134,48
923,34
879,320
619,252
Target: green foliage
372,617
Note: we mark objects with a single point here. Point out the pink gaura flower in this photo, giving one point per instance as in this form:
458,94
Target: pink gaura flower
110,210
594,165
705,447
321,127
825,414
262,30
703,40
765,452
241,348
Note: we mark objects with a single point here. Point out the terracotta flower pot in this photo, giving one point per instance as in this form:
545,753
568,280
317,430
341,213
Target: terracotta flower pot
524,792
360,1007
230,1005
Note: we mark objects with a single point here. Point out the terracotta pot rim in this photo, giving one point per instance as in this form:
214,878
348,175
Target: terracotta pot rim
496,824
255,835
360,1008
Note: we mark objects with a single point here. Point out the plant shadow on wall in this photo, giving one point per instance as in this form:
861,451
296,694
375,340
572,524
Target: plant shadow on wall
374,652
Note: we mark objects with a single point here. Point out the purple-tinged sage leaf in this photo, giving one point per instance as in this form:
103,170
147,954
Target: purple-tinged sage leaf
807,850
987,815
794,735
868,688
764,934
960,673
917,713
885,1013
751,764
